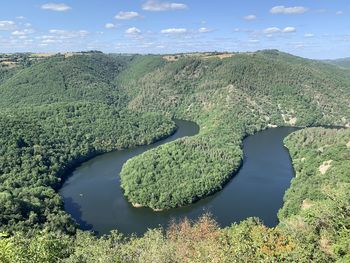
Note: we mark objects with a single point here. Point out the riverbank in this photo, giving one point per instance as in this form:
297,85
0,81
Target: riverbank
258,181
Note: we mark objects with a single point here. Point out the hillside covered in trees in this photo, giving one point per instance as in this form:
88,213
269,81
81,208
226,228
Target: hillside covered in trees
60,111
342,62
229,98
314,223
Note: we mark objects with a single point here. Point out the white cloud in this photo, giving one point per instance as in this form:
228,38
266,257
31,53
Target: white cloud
20,17
45,37
51,41
133,31
274,30
154,5
271,30
289,29
205,30
7,25
174,31
250,17
288,10
299,45
59,7
127,15
57,31
66,34
339,13
22,32
110,26
309,35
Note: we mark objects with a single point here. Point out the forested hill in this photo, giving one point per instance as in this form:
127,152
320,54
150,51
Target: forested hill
62,79
229,95
342,62
264,76
271,83
58,111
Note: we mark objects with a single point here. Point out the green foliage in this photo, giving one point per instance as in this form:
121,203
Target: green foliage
317,205
61,79
309,149
43,247
58,112
230,99
39,145
178,173
342,62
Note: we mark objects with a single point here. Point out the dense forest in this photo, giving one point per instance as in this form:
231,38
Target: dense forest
314,224
39,145
230,98
59,111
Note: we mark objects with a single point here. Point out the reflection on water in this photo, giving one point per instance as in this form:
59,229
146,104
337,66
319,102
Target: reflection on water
94,198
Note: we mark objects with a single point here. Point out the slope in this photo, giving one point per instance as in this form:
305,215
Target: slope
230,98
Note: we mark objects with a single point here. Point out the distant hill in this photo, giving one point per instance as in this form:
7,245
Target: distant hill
342,62
277,84
61,78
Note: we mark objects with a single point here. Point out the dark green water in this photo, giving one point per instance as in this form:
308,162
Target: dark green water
93,196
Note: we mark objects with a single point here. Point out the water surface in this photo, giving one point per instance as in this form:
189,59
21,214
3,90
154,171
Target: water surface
93,196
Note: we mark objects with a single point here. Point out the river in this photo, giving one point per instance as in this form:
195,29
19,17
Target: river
92,193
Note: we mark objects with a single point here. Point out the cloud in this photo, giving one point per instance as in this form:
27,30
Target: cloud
299,45
339,13
59,7
271,30
7,25
22,32
288,10
51,41
133,31
155,6
250,17
309,35
20,17
174,31
67,34
110,26
60,36
127,15
45,37
274,30
289,29
205,30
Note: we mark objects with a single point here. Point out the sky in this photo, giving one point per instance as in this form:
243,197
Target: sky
317,29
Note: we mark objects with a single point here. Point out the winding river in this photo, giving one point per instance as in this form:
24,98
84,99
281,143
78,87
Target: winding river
92,194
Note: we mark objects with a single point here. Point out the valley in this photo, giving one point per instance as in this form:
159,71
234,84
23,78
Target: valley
63,110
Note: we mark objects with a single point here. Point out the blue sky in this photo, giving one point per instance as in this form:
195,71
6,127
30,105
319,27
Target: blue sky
309,28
